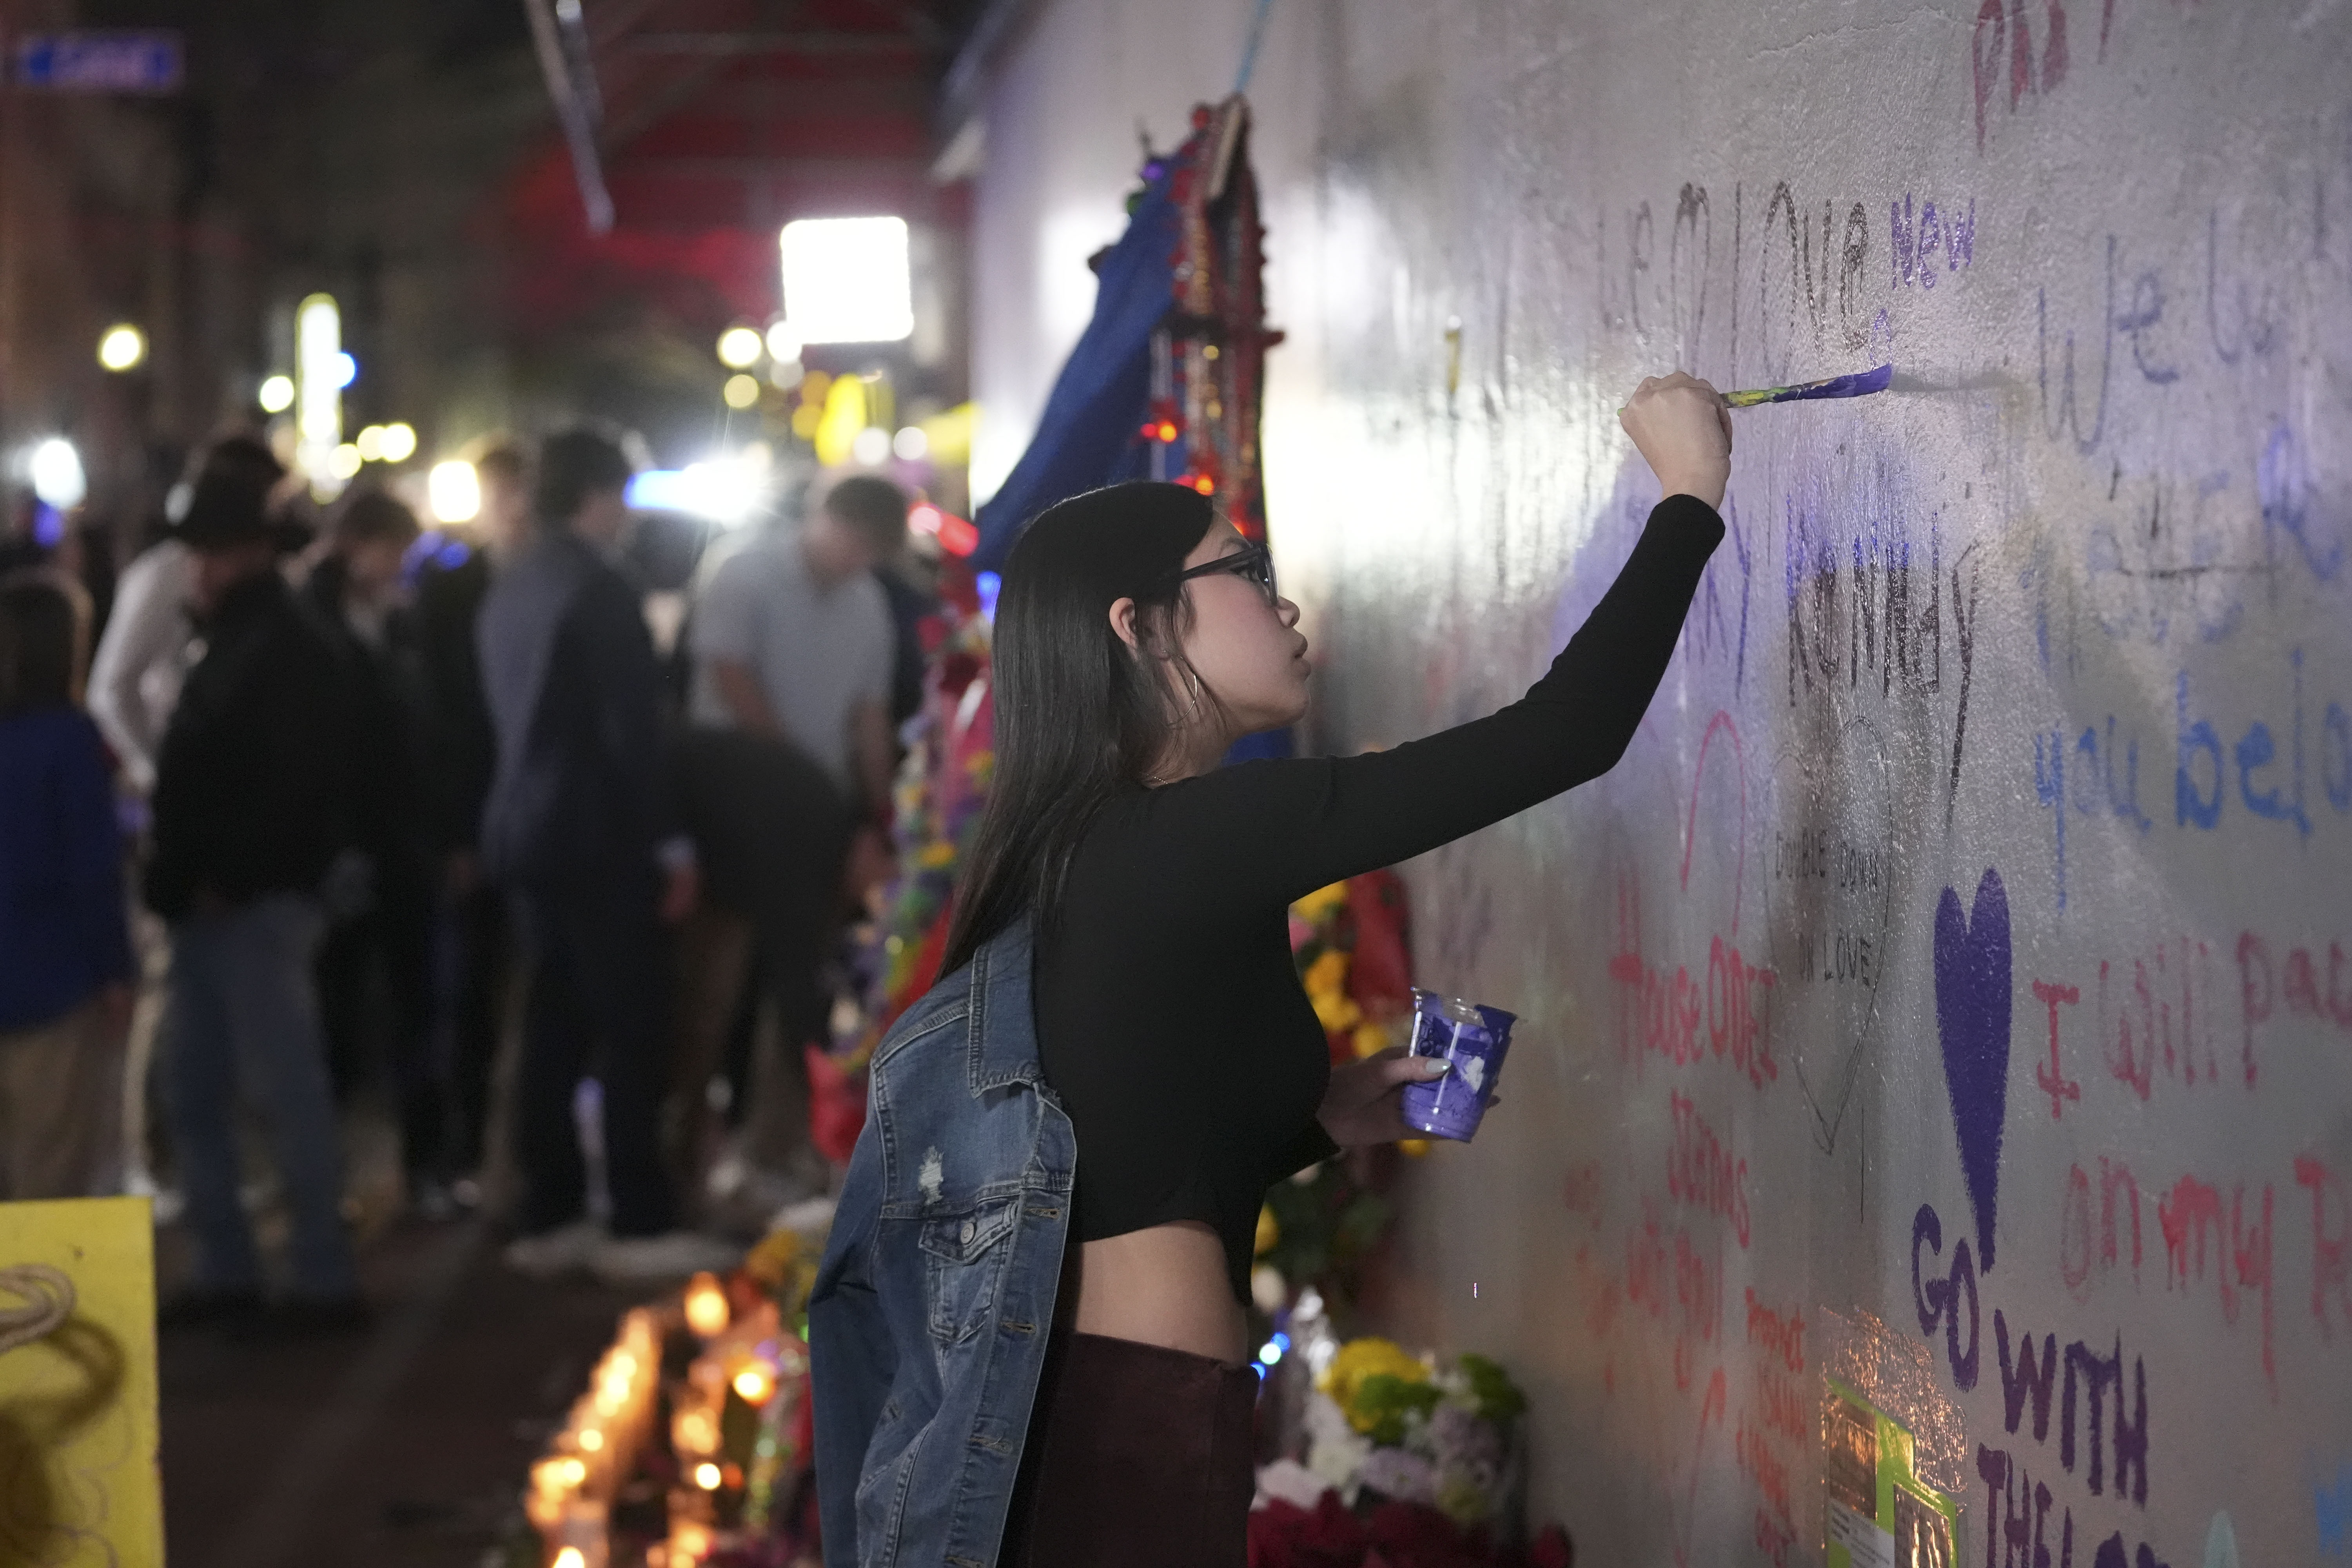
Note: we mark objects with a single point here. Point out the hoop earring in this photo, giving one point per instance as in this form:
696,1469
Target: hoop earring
1193,689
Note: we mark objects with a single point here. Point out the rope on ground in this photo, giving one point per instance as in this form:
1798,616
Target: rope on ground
52,1298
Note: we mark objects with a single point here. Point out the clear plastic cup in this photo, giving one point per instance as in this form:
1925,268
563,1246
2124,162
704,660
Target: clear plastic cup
1472,1039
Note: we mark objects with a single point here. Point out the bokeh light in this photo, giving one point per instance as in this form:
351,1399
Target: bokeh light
123,347
740,348
57,474
453,491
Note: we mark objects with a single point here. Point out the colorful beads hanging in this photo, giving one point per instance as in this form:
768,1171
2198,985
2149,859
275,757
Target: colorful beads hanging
1208,356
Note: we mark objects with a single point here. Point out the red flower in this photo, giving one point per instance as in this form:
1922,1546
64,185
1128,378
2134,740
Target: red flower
836,1105
1284,1535
1382,970
1414,1536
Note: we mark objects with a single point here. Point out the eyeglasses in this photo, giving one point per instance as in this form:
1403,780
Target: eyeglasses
1254,563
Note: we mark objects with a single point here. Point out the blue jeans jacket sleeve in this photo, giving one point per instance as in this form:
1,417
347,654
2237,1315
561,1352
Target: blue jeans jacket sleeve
852,1360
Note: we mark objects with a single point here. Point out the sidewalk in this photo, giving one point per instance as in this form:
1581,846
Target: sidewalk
403,1445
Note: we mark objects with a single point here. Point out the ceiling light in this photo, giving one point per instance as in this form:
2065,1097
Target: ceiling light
846,281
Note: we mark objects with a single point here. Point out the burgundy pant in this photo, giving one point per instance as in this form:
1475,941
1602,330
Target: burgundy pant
1138,1456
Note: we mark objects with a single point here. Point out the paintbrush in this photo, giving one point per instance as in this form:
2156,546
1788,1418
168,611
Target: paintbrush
1860,384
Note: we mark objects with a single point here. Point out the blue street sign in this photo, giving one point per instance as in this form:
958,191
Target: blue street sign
110,62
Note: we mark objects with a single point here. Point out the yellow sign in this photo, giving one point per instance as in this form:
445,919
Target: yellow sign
78,1486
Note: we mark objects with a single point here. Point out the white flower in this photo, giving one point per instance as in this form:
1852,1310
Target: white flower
1458,1436
1395,1473
1336,1451
1288,1482
1269,1289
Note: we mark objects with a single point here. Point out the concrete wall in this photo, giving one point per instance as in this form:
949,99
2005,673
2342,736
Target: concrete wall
2060,639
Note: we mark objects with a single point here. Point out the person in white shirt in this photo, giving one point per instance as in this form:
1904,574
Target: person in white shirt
789,751
134,678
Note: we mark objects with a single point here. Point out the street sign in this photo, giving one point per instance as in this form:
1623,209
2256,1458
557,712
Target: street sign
146,61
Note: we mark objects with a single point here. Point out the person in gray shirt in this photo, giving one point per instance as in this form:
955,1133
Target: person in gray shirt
789,753
792,639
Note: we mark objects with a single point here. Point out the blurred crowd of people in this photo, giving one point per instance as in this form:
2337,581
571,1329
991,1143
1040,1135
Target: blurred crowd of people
338,809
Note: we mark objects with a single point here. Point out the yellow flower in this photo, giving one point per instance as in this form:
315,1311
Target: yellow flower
935,856
1328,975
1464,1500
1370,1040
1361,1359
771,1263
1320,902
1269,1231
1337,1013
1325,981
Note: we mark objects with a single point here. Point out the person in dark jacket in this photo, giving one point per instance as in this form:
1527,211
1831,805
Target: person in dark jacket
252,803
65,954
453,577
578,827
379,937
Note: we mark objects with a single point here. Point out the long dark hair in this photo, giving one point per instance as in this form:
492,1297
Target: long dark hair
44,640
1079,716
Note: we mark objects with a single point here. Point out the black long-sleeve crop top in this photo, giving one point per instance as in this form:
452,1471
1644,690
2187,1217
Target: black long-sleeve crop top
1169,1016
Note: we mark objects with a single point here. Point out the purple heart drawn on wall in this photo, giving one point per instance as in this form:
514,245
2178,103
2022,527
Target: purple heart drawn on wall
1972,1022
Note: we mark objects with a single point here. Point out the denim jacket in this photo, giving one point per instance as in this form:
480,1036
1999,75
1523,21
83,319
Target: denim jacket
929,1320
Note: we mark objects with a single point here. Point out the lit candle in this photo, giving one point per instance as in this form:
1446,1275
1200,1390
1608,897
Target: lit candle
694,1432
705,1305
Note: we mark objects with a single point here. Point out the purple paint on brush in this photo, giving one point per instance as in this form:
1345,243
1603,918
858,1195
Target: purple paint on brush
1859,384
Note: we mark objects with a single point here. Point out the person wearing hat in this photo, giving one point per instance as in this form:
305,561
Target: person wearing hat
253,800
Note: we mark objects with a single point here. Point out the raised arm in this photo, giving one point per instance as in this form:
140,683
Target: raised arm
1277,830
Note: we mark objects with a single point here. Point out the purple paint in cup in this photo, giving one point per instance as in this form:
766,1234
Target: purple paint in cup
1472,1039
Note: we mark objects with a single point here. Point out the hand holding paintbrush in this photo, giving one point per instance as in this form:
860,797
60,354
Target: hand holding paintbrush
1681,428
1664,418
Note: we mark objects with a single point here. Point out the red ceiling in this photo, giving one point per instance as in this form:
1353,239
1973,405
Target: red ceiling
721,121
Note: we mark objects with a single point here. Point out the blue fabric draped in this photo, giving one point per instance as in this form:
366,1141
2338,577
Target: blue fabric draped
1091,433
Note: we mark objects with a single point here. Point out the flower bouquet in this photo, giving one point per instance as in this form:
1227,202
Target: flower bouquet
1321,1229
1409,1462
940,788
